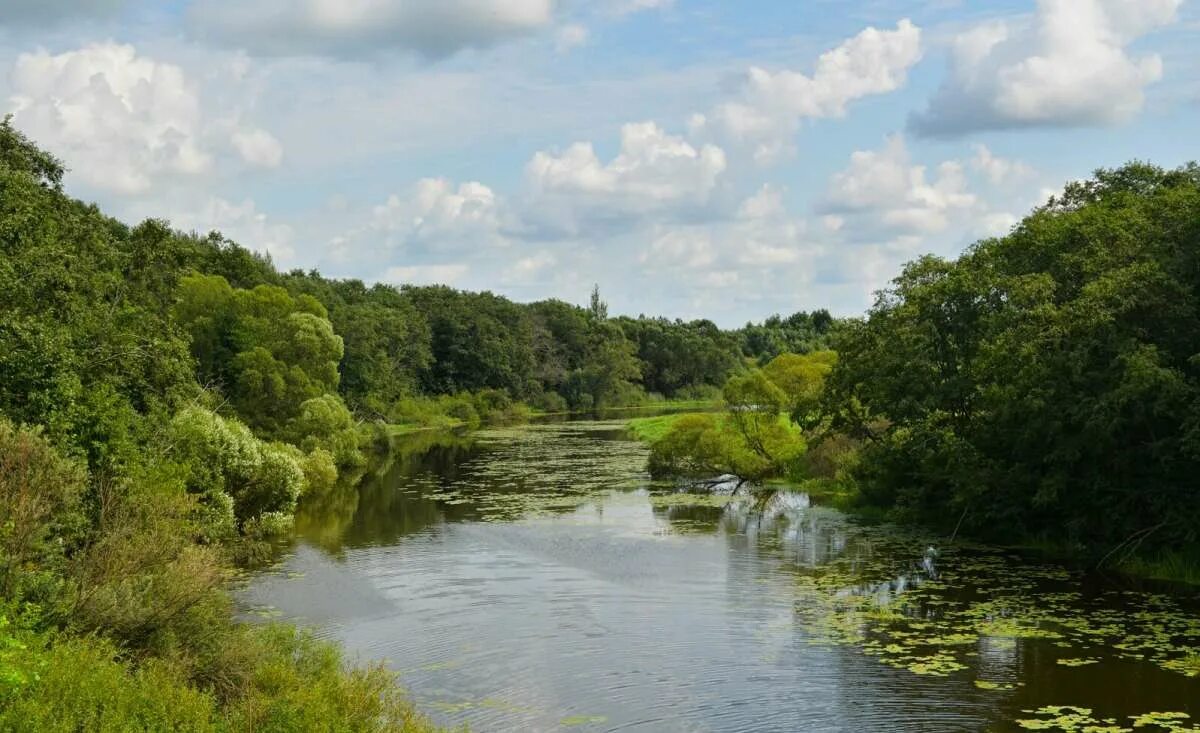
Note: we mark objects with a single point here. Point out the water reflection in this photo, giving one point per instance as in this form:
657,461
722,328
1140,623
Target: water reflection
535,579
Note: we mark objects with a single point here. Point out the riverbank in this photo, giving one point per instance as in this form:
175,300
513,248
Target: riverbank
1167,566
535,579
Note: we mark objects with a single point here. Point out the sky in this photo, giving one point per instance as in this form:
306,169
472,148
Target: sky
692,158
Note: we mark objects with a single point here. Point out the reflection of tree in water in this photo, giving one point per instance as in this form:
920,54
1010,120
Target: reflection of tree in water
787,522
384,504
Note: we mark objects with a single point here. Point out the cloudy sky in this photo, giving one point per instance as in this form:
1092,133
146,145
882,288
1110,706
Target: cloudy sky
692,157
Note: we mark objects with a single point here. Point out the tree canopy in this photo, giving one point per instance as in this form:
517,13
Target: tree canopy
1047,383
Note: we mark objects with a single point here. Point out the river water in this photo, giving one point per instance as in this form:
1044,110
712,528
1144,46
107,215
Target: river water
535,579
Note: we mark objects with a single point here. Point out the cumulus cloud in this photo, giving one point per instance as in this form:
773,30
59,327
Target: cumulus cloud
258,147
756,241
119,119
442,274
529,269
244,224
883,192
436,214
432,218
674,248
654,173
354,28
35,12
125,122
999,170
771,106
1071,66
765,233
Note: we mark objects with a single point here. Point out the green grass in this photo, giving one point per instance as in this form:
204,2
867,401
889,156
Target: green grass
1170,565
1173,566
398,430
652,429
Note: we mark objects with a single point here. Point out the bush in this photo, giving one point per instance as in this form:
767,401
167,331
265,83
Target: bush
699,393
300,683
222,457
551,402
78,685
40,514
325,422
702,446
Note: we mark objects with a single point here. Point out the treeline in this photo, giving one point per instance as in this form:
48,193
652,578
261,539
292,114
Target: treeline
423,341
156,424
1045,386
166,402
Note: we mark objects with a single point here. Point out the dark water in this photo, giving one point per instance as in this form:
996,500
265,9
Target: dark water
534,579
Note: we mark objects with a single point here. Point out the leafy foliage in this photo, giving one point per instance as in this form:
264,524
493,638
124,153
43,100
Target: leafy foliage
1046,383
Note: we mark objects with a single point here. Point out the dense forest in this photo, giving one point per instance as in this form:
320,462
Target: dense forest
166,401
1043,389
1044,386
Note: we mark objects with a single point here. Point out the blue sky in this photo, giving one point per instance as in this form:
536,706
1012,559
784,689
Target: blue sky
694,158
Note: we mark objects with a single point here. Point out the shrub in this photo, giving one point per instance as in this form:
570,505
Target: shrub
300,683
222,456
325,422
40,514
78,685
550,402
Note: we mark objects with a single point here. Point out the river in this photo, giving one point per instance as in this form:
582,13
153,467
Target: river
535,579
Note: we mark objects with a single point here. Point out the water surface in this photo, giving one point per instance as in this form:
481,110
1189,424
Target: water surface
535,579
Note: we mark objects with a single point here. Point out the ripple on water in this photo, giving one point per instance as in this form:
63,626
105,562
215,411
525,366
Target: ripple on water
539,581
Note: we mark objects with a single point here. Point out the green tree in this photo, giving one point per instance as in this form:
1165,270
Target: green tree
801,378
1046,383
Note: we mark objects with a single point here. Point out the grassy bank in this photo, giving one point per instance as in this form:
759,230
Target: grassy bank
1174,566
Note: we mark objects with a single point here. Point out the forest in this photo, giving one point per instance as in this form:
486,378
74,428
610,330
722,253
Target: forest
168,398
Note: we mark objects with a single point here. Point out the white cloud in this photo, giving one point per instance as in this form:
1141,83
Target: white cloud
999,170
354,28
119,119
258,147
765,234
1071,66
996,223
627,7
761,241
125,123
654,173
771,106
443,274
244,224
433,217
570,37
529,269
680,248
435,212
883,191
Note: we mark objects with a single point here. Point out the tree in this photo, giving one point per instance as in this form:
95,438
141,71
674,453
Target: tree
597,307
801,378
268,351
1046,383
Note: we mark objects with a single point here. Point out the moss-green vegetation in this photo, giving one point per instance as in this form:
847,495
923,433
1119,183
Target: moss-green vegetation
168,401
1072,718
933,619
1046,384
760,435
275,680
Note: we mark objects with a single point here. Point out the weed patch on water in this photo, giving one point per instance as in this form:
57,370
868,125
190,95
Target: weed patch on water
1072,718
933,614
